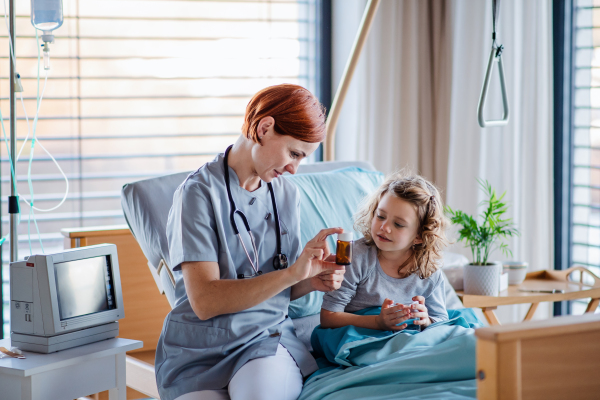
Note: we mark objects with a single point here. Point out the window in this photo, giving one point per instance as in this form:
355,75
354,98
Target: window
586,137
142,88
577,146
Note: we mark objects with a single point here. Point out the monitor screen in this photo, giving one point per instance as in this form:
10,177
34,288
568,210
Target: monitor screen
84,287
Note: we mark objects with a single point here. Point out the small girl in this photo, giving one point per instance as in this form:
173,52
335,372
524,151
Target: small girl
396,264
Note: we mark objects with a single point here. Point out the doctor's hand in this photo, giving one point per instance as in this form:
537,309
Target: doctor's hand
328,281
315,260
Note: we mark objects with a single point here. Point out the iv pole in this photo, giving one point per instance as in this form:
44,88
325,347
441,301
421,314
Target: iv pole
13,200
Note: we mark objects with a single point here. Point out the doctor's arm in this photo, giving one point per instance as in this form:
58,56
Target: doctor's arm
211,296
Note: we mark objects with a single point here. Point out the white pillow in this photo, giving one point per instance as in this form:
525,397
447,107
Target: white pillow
453,264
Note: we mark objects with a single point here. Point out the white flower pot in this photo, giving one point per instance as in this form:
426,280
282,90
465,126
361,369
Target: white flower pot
483,280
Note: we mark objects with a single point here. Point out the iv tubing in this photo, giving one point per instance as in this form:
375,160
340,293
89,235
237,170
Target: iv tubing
33,140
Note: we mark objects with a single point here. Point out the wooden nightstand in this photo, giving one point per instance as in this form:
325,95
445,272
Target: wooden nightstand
542,281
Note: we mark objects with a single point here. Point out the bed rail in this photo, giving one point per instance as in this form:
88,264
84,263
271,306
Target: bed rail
550,359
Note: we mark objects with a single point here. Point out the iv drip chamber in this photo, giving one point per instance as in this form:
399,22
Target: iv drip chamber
46,15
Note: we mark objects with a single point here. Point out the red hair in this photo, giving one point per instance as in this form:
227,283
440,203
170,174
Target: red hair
296,111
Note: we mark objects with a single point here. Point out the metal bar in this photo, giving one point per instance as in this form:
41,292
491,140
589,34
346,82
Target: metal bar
494,57
14,217
340,95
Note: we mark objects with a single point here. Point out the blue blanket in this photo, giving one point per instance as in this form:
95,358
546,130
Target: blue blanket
359,363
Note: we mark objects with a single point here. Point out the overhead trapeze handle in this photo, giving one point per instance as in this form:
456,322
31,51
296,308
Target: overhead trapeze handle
495,55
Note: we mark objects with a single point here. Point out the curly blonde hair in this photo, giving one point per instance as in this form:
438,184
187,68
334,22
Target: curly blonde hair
430,212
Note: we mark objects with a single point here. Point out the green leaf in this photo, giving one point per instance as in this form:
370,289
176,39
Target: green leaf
482,236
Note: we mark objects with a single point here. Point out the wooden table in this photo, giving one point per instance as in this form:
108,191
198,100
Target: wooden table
540,280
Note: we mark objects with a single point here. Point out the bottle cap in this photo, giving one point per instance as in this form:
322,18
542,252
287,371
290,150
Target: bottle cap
345,236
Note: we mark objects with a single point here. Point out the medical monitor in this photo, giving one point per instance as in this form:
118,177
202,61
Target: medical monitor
72,294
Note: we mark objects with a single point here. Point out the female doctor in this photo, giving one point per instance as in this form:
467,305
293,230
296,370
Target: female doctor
234,232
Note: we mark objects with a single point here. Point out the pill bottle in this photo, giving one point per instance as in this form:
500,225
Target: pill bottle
343,255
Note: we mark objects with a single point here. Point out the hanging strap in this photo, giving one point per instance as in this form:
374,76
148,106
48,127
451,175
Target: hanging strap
495,17
495,56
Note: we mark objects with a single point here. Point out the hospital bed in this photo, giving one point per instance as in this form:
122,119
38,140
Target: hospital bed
511,359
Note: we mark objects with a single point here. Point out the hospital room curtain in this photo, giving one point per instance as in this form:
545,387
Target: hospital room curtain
413,102
395,114
141,88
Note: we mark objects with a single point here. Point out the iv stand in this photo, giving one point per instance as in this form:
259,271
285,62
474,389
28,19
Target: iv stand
13,200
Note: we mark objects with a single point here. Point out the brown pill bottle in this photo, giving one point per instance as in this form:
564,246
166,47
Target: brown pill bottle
343,255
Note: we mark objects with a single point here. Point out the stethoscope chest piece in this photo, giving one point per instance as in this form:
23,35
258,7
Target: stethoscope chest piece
280,261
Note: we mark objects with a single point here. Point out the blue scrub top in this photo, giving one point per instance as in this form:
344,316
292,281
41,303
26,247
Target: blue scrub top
192,354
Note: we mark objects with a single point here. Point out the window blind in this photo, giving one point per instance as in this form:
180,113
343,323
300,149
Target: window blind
585,206
140,88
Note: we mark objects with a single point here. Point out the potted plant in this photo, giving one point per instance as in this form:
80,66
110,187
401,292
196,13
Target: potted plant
481,277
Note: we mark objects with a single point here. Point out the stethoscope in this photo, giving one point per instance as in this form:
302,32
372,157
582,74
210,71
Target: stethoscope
280,261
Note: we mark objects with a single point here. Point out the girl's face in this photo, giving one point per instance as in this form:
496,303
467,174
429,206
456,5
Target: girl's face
277,153
395,225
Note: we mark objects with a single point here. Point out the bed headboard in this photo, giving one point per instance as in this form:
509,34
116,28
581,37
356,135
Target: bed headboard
146,206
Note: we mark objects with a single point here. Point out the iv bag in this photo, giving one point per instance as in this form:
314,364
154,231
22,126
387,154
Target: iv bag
46,15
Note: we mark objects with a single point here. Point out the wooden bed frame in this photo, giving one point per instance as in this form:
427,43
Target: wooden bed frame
552,359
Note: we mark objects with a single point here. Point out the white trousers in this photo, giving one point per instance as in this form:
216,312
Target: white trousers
276,377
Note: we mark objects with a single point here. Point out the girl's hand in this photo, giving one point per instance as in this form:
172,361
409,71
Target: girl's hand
328,281
315,260
419,312
390,316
